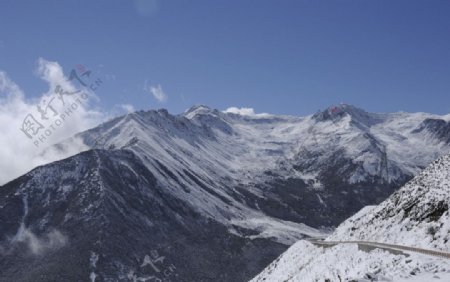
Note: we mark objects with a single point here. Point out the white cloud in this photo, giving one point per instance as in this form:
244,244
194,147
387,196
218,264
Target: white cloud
128,108
20,153
157,92
245,112
38,245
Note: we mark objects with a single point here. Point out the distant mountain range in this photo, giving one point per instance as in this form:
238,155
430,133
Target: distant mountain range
205,195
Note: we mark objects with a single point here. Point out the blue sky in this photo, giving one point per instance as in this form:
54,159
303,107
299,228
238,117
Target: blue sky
283,57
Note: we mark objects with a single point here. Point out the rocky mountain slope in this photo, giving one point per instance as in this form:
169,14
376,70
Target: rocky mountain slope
417,216
102,216
205,195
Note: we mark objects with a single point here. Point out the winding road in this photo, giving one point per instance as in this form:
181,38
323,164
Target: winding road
367,246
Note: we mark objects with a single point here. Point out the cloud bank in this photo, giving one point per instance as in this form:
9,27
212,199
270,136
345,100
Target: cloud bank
58,114
245,112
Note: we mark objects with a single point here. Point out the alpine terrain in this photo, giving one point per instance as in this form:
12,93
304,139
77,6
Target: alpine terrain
405,238
216,196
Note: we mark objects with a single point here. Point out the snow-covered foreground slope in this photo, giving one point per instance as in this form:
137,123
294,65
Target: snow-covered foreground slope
304,262
417,215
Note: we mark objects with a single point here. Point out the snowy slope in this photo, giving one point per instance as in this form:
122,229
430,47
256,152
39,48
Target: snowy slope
329,164
417,215
304,262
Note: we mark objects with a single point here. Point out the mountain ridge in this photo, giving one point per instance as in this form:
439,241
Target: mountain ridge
233,150
256,184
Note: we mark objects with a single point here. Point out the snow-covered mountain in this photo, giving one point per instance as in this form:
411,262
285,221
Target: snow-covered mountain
317,170
210,190
415,216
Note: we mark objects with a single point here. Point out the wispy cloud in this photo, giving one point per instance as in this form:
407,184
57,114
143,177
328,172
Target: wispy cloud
157,92
38,245
127,108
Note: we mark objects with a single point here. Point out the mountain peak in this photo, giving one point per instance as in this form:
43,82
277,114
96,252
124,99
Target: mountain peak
339,110
197,109
344,108
357,115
